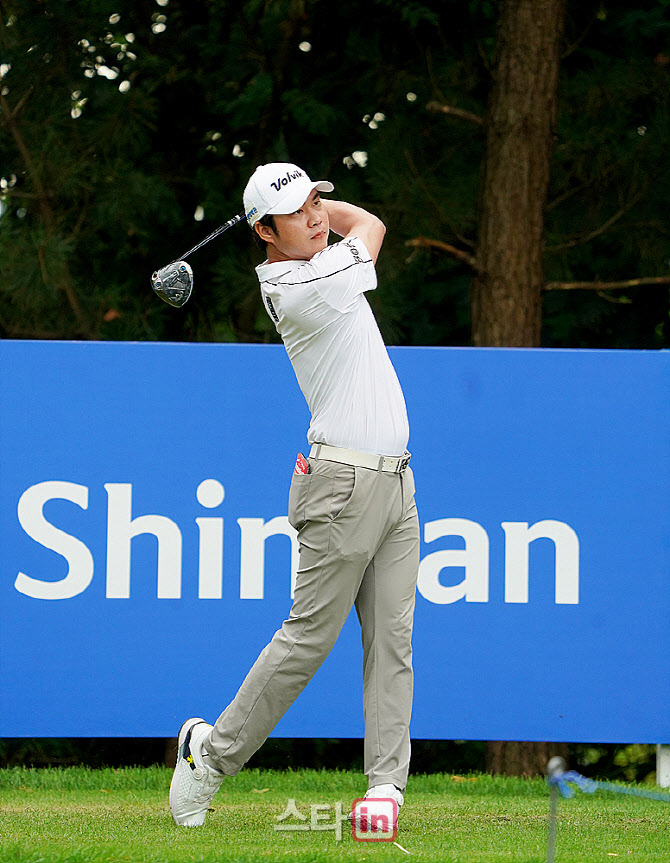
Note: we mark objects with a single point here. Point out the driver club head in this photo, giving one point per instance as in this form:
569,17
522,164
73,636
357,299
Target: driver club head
173,283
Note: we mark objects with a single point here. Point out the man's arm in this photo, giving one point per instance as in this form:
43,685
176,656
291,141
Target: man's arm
347,220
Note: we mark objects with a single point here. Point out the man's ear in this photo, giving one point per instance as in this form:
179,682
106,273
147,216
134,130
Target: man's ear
264,232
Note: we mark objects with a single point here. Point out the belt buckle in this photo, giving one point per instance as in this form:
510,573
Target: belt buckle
404,463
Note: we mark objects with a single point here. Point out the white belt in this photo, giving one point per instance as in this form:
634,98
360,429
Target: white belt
392,464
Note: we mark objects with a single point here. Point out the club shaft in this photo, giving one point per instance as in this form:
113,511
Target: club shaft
551,838
213,235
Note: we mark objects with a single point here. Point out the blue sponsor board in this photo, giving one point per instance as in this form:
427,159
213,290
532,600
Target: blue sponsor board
146,559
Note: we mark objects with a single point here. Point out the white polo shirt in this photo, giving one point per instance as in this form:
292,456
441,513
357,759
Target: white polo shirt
336,349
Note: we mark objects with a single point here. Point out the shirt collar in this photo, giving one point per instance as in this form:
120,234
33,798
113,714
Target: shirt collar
267,270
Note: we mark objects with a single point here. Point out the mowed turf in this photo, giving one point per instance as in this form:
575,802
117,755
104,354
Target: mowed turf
74,815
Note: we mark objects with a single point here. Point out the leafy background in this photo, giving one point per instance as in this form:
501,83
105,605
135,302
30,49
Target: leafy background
121,120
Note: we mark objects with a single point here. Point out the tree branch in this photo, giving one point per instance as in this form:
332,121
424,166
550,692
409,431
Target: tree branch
586,238
459,254
419,177
22,101
607,286
10,121
439,108
597,285
17,193
575,45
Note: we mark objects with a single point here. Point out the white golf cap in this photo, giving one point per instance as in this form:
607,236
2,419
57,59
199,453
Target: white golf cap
278,187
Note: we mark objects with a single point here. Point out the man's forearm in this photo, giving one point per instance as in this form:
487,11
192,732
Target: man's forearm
345,218
349,220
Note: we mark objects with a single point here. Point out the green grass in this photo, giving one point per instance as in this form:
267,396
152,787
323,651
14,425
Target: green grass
77,815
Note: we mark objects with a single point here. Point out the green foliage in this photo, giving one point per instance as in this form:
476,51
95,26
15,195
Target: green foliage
629,763
610,177
119,119
635,762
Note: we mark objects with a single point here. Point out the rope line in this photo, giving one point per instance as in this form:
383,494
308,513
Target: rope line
563,782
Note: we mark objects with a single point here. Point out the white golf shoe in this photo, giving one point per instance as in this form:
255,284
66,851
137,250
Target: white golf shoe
385,791
377,812
194,783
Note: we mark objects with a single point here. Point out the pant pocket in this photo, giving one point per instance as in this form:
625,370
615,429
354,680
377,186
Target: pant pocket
297,498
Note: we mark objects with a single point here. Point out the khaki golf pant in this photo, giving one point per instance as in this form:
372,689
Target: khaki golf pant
359,545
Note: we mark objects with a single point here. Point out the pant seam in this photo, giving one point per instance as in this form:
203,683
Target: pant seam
376,658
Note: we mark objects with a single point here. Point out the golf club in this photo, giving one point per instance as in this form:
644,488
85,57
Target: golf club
174,282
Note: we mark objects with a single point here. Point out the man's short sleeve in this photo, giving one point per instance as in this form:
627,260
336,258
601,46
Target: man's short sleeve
343,271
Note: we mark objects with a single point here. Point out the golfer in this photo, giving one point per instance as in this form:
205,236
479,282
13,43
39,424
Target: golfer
351,501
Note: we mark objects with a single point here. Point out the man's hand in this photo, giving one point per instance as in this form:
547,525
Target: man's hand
347,220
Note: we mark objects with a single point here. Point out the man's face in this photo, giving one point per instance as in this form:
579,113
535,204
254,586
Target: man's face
300,235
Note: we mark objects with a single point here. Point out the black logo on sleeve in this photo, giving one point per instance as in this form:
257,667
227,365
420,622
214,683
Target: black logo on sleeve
354,251
271,309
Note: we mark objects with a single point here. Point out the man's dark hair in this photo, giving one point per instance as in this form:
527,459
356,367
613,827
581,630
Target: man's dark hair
268,222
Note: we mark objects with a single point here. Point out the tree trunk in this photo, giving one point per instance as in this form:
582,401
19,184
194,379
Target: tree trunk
507,290
506,294
521,759
171,751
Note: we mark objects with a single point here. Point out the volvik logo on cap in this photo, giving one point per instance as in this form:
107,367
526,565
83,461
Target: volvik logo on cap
279,187
284,181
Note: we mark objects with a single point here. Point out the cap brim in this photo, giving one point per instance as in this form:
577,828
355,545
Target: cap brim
297,197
